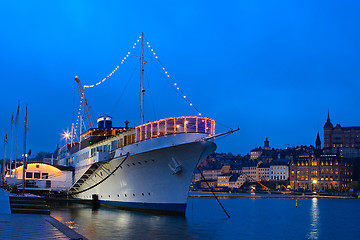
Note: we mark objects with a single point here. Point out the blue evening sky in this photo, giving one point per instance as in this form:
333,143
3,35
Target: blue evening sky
273,68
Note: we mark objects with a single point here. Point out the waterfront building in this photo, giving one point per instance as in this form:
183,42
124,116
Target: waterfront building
250,172
279,170
317,171
210,173
263,171
42,176
346,139
256,171
236,181
223,180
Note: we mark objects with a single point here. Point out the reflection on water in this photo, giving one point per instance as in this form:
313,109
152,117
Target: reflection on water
107,223
250,219
315,215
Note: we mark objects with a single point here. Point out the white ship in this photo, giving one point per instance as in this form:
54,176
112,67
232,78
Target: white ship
148,167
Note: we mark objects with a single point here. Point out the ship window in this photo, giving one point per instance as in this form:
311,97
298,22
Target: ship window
201,125
29,175
190,124
149,194
143,194
139,163
148,131
44,175
153,160
145,161
125,195
162,128
109,195
154,130
128,165
180,125
125,140
142,130
208,126
170,126
118,195
101,173
138,135
133,164
134,194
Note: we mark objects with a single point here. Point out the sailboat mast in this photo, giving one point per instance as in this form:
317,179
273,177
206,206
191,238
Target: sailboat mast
142,91
17,136
11,140
24,161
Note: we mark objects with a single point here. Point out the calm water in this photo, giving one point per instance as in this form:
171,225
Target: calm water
250,219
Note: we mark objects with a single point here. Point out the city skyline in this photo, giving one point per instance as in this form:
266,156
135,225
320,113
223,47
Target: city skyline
272,69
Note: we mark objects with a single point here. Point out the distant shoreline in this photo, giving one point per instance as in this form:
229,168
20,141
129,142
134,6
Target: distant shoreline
225,195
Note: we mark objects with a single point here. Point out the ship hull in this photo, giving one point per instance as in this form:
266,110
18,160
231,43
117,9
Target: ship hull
152,181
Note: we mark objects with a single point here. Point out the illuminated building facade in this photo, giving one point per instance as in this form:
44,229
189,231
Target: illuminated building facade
318,171
346,139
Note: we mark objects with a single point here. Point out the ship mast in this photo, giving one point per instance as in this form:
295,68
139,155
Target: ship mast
142,91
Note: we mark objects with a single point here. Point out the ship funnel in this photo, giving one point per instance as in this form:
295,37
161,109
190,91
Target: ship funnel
104,122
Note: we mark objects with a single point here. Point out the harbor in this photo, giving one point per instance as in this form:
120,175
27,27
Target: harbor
299,216
180,120
260,218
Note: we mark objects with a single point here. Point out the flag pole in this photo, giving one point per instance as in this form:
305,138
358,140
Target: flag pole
17,136
24,161
11,140
4,161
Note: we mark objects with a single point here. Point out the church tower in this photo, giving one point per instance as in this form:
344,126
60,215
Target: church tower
317,142
328,130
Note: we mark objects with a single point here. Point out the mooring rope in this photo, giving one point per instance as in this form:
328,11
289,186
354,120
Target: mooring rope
213,193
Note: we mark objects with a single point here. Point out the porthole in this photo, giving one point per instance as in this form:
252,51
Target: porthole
149,194
145,161
109,195
100,195
128,165
143,194
133,164
153,160
120,166
134,194
125,195
139,163
118,195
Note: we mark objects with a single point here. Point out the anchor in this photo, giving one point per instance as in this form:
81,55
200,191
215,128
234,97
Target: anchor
177,166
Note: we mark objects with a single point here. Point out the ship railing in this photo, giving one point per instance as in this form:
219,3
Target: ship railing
175,125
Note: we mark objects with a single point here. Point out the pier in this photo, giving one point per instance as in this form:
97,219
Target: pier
30,226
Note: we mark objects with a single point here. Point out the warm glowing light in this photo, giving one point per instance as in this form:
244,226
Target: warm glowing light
66,135
314,181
